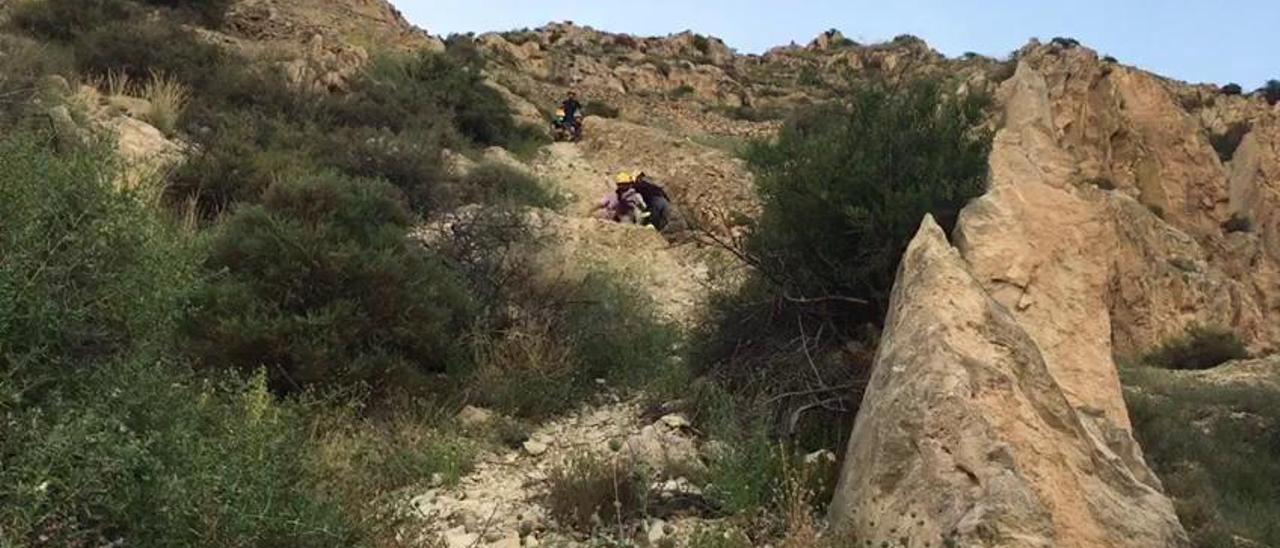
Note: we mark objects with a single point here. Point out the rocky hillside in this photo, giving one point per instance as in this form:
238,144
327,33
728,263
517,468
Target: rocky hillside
1122,210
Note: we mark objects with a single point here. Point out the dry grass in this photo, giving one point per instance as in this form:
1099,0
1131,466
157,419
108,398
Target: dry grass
590,493
368,464
169,98
114,83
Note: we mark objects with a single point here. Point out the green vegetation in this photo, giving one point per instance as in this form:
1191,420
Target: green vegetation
1201,347
844,187
1226,144
97,432
319,286
1217,451
1271,92
275,373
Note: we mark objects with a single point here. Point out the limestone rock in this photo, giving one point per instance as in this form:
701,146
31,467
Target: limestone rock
534,448
474,417
965,436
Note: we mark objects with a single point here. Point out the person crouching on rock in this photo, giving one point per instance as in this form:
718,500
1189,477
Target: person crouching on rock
655,199
624,204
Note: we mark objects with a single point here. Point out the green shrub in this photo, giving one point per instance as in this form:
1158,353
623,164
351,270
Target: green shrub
66,20
87,273
240,156
1217,451
141,452
1271,92
398,92
1200,348
101,442
1226,144
844,187
496,183
320,286
408,160
209,11
748,474
27,68
140,48
1232,89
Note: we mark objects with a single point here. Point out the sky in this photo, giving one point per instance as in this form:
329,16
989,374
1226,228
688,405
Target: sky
1209,41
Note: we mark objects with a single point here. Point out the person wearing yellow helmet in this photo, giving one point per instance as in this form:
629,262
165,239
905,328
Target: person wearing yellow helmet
624,204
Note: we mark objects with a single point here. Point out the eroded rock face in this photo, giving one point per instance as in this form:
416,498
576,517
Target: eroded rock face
1205,248
1071,241
965,436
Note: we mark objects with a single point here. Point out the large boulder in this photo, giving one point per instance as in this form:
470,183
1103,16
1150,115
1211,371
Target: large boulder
965,437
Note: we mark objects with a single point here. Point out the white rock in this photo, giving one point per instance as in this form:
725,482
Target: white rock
458,537
676,422
657,530
819,456
535,448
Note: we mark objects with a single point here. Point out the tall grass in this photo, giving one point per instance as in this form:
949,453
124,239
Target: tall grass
169,98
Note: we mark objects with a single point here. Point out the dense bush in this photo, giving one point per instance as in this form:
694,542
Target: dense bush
320,286
99,442
140,48
1217,451
87,273
1200,348
1271,92
210,11
1232,89
408,160
67,19
399,92
844,187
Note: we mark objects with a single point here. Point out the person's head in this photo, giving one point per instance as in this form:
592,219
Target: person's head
573,94
624,178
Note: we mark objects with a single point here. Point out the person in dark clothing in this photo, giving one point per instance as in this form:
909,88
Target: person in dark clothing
572,113
655,198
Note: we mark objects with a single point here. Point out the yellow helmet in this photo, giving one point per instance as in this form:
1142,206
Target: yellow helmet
624,177
560,113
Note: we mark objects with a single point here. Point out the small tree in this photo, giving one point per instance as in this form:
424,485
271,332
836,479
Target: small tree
845,186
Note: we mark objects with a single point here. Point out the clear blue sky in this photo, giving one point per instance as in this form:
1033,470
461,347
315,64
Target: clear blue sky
1195,40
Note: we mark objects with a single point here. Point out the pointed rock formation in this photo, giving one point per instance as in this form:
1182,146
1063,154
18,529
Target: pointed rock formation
965,437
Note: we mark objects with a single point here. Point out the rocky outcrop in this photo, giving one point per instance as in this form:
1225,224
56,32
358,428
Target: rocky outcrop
1072,239
965,437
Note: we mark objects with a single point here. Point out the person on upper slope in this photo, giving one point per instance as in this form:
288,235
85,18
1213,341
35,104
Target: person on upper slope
571,112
